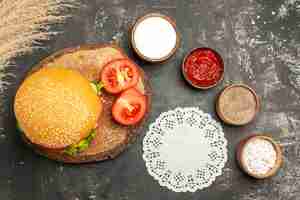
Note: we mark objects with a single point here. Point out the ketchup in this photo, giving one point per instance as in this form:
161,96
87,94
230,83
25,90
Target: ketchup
203,67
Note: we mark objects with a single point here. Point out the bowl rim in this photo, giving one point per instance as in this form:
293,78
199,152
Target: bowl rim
277,148
142,18
228,87
189,81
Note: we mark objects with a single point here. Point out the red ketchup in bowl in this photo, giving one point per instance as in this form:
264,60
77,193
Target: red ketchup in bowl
203,68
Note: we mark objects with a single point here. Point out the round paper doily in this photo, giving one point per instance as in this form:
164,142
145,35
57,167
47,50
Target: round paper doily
185,149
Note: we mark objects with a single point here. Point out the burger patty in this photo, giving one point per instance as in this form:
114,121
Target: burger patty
111,138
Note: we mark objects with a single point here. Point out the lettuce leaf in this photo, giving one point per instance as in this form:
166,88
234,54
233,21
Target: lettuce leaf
97,86
19,127
74,149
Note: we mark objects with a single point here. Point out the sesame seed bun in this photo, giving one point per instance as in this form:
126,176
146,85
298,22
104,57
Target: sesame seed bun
56,107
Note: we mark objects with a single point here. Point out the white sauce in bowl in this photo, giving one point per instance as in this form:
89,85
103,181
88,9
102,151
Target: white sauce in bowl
155,37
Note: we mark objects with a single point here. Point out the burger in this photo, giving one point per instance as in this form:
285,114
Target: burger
57,109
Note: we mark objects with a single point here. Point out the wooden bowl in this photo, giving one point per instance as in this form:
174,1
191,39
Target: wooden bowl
197,86
238,104
241,160
133,44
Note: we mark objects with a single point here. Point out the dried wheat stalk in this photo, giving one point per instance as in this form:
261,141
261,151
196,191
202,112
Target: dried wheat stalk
24,23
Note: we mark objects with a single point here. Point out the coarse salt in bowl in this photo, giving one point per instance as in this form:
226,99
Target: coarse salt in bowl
259,156
154,37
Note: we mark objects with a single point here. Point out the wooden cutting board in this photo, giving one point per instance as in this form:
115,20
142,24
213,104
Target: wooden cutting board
111,138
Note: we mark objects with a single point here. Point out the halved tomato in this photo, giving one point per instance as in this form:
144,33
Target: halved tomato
129,108
119,75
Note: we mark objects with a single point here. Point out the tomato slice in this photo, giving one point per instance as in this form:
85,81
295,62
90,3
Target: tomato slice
129,108
119,75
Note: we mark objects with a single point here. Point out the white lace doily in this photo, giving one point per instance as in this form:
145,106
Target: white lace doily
185,149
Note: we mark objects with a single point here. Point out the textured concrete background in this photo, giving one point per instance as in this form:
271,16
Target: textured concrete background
260,43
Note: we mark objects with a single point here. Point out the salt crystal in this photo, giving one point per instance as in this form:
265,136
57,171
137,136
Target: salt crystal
155,37
259,156
21,163
92,197
2,136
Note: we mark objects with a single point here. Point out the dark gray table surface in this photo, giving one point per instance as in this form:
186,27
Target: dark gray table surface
260,43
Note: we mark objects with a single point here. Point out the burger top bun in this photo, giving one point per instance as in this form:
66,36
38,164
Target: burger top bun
56,107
